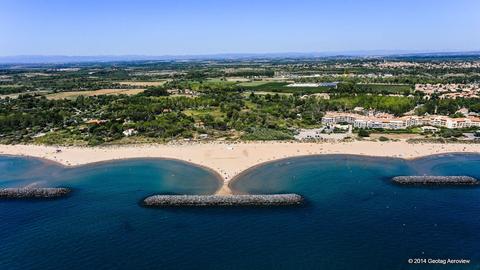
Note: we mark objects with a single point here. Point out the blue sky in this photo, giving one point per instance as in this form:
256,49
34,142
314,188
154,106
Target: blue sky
108,27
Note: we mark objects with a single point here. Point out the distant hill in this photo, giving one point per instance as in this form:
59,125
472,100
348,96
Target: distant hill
61,59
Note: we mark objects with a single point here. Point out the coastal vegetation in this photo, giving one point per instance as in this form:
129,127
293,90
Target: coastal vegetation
104,118
98,103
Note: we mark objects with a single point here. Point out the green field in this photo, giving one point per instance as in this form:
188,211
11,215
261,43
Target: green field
252,84
281,87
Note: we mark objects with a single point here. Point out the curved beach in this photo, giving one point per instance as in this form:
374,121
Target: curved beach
350,205
230,159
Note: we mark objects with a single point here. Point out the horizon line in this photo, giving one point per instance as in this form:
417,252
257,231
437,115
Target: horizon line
255,53
66,58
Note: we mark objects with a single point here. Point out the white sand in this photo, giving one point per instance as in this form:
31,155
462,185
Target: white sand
229,160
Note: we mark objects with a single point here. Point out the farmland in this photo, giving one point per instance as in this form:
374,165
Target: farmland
75,94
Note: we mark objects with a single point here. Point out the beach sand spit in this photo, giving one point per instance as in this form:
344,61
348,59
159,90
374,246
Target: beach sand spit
230,159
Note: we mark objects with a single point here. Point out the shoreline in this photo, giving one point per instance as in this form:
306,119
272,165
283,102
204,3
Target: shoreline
229,160
246,171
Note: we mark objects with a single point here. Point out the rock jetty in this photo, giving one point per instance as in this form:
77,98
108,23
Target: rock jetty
227,200
33,193
435,180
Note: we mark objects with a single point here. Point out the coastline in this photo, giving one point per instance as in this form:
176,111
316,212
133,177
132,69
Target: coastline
228,160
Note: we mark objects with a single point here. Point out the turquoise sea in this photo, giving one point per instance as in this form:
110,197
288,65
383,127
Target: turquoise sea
354,218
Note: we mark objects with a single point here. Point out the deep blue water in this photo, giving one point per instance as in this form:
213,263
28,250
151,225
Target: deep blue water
354,217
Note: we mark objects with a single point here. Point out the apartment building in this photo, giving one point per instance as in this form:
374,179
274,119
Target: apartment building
387,121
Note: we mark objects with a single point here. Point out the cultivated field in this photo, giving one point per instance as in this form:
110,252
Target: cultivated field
75,94
237,79
143,84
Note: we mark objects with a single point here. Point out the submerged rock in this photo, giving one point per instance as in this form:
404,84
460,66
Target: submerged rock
33,193
435,180
227,200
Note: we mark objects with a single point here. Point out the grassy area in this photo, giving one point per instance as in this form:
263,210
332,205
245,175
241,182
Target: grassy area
143,84
210,84
62,137
265,134
197,113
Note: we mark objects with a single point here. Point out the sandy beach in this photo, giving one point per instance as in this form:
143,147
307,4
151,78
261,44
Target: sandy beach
230,159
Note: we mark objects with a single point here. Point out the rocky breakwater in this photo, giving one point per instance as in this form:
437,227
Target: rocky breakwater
435,180
226,200
33,193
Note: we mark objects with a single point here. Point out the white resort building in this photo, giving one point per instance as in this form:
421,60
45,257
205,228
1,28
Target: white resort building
388,121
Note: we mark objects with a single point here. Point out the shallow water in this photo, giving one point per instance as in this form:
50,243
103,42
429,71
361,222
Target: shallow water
354,217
